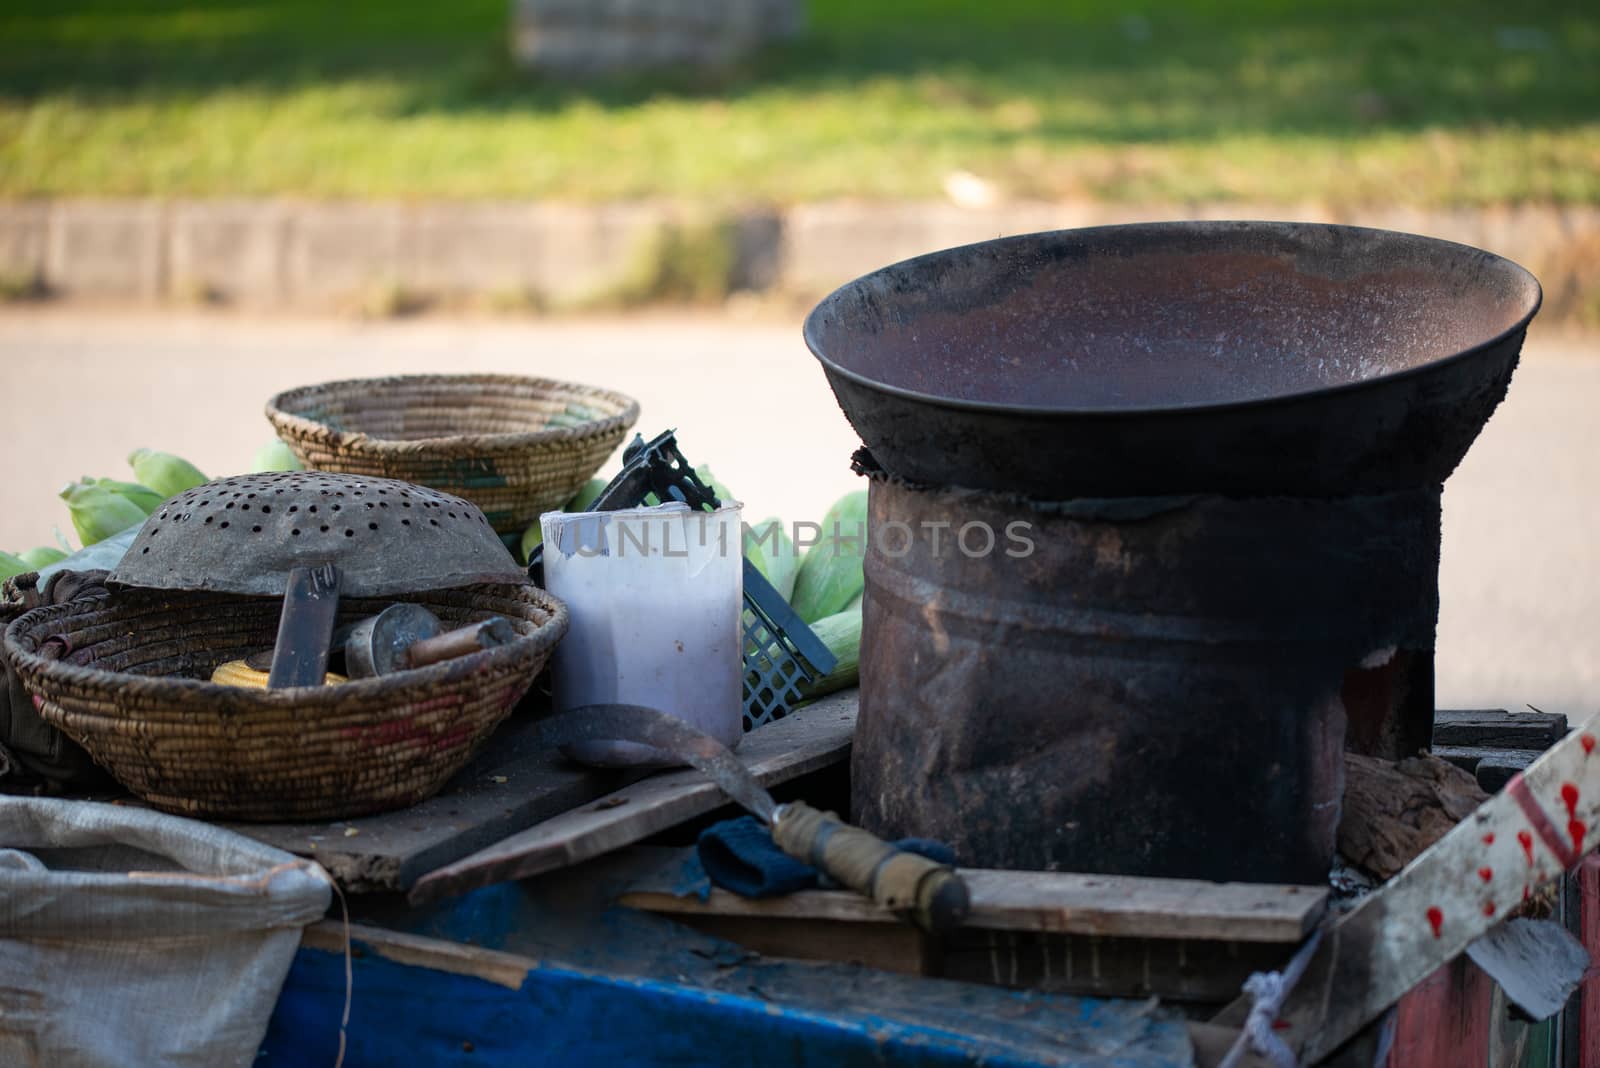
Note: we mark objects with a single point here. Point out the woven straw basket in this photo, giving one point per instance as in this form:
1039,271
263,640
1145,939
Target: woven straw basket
516,447
132,690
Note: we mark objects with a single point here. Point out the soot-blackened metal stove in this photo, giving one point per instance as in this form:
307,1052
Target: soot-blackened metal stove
1225,445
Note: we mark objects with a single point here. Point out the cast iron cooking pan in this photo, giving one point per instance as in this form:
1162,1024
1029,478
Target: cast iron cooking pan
1232,357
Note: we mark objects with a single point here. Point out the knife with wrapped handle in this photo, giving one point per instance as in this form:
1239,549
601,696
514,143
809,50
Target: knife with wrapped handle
933,895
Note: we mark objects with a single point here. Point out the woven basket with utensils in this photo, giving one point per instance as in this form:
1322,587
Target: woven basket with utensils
126,672
127,677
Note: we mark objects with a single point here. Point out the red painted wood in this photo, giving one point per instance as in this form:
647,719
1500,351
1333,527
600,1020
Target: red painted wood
1444,1021
1589,932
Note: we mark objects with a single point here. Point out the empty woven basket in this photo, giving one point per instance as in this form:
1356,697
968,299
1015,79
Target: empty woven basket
130,685
516,447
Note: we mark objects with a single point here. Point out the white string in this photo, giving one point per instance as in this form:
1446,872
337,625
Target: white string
1268,991
349,976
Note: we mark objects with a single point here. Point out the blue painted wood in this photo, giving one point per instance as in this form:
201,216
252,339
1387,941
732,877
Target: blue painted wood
573,981
764,1014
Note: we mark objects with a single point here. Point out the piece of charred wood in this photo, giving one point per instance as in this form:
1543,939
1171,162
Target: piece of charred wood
1395,810
1498,729
1492,768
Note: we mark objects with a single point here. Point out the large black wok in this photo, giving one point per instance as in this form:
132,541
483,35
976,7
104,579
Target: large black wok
1235,357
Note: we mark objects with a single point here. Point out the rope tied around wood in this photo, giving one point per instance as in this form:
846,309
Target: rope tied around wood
1267,992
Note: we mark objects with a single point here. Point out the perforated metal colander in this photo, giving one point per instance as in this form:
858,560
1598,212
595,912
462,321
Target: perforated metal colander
244,534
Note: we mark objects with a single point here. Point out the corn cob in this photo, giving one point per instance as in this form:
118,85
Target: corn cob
275,456
146,498
97,512
772,551
165,473
830,576
841,633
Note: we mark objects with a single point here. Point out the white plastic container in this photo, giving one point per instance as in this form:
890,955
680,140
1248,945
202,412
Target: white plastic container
656,597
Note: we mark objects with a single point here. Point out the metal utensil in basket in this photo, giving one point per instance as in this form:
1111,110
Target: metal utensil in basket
312,537
127,676
245,534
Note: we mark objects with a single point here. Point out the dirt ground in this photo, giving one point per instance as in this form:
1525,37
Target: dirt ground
1521,569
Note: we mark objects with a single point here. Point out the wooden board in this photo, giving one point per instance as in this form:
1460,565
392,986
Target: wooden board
1444,1021
512,783
1588,1044
1055,902
900,948
1087,965
1540,826
684,1001
1493,768
1498,729
813,737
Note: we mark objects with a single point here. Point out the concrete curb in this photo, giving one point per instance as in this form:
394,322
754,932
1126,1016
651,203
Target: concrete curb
319,254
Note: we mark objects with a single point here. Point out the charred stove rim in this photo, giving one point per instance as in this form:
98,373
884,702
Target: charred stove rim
1123,509
812,322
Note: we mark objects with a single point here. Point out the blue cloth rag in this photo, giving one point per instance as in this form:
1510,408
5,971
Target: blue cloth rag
740,855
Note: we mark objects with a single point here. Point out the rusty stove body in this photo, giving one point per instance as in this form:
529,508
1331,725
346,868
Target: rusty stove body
1155,531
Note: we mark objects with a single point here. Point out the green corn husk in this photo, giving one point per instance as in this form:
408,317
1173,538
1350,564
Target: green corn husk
13,565
98,513
43,556
841,633
830,575
165,473
772,551
586,495
146,498
275,456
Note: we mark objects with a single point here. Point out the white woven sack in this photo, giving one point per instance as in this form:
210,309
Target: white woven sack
128,937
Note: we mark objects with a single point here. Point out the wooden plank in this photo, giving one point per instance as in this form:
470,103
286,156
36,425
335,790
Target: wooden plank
419,1000
454,958
1144,908
1444,1021
513,783
1493,768
1589,997
899,948
1496,770
1518,840
1059,902
1212,1044
1088,965
1498,729
814,737
1562,1034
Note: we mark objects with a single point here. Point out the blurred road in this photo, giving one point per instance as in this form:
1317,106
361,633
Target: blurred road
1521,571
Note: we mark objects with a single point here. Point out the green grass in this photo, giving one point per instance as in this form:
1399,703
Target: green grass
1341,101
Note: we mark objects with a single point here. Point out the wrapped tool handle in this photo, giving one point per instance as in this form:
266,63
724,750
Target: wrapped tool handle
933,893
463,641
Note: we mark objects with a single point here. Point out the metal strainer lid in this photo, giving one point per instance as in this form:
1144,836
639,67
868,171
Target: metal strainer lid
243,534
